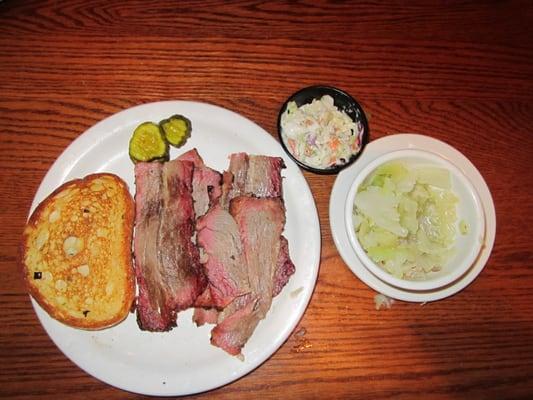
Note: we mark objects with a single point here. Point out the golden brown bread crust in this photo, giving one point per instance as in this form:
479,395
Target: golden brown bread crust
76,252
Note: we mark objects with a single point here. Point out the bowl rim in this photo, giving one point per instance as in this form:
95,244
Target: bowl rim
429,284
334,91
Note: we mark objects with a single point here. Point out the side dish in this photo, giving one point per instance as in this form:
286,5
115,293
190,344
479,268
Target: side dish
405,218
319,134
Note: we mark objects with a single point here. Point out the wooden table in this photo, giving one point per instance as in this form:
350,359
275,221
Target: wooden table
459,72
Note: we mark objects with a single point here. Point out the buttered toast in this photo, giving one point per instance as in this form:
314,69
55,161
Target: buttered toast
76,252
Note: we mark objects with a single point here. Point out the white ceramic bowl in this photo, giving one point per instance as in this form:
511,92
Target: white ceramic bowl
469,208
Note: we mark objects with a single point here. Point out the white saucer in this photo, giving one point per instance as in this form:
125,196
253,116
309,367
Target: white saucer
339,195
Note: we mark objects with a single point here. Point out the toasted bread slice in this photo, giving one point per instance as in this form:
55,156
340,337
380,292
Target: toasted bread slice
76,252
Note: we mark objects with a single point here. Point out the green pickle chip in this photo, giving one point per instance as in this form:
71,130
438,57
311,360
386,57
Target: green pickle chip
148,144
176,130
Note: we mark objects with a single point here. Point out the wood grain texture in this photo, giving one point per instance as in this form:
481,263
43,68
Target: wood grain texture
461,72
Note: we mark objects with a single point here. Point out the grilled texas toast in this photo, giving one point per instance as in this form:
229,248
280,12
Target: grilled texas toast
76,252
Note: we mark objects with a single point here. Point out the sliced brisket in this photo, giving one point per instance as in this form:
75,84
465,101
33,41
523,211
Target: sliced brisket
253,175
203,316
218,235
147,266
204,300
239,217
238,168
260,223
264,176
169,274
206,183
284,268
235,328
226,189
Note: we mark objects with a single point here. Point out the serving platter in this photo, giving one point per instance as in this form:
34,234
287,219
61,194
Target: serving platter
183,361
343,184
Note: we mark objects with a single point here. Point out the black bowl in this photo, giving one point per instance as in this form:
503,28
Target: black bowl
344,102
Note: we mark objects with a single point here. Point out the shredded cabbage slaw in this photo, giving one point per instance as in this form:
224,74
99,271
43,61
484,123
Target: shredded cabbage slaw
319,134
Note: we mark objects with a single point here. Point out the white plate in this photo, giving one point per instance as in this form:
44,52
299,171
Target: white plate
183,361
339,196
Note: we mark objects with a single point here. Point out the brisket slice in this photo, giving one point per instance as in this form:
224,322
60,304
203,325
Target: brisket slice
226,189
148,208
264,176
179,255
203,316
237,326
204,309
253,175
260,222
206,183
259,176
218,236
168,271
284,268
204,300
238,168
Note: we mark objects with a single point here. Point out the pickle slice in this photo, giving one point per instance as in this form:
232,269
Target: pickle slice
148,144
176,129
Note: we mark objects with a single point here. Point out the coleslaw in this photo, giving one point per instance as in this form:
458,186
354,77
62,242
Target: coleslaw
320,135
